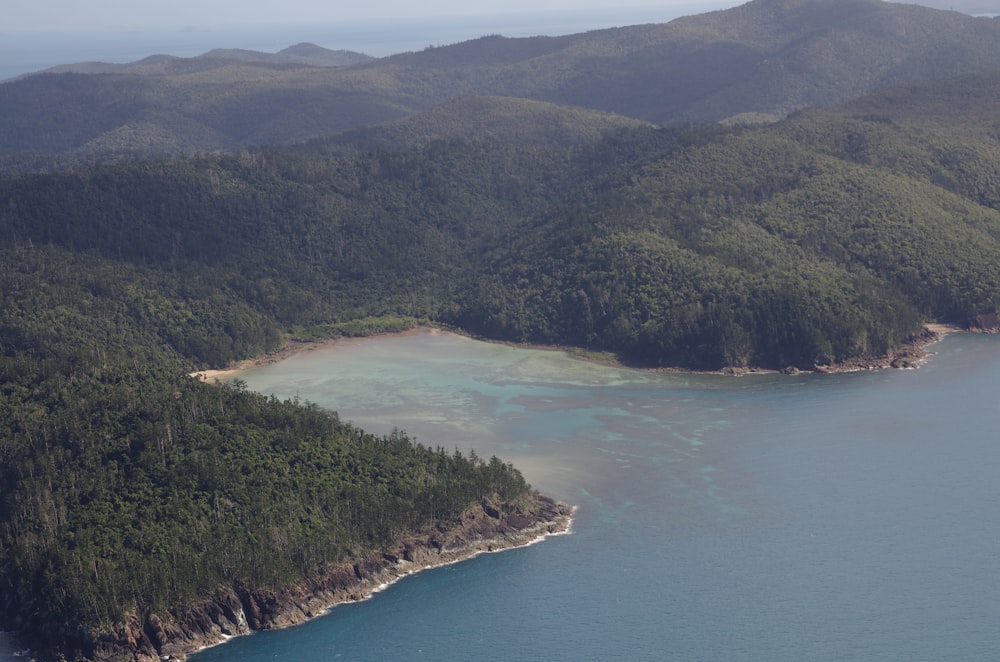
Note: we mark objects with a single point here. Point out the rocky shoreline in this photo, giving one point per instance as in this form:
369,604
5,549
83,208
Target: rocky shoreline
909,355
487,527
913,353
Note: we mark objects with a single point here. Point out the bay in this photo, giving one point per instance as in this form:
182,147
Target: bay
830,517
765,517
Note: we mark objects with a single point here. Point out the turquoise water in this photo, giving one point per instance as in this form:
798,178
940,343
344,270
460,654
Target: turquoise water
821,517
769,517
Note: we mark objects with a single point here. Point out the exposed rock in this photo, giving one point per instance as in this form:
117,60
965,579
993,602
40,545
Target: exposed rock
987,322
235,611
908,355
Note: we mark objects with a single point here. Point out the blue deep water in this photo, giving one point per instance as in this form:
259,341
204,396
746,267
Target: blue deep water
766,517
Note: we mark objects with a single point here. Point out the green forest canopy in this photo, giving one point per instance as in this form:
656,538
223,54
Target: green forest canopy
828,237
129,487
764,58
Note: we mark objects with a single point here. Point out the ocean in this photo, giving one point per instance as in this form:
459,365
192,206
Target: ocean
764,517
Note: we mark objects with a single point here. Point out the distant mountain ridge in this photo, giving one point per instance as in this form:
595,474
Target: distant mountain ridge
760,60
299,54
766,56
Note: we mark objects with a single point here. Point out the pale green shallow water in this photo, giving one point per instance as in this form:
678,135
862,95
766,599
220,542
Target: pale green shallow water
850,516
815,517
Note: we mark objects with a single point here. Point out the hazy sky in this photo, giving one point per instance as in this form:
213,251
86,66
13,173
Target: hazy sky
44,15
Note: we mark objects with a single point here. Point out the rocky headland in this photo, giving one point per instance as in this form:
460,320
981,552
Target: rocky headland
238,610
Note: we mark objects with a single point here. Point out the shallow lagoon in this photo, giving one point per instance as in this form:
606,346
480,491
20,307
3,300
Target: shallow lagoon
850,516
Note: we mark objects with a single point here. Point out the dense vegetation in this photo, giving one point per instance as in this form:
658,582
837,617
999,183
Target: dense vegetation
128,487
759,60
827,237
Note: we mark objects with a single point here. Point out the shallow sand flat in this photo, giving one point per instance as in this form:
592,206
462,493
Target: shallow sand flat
293,348
942,329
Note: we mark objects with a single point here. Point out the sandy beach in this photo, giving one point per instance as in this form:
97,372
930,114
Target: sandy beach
943,329
294,348
908,354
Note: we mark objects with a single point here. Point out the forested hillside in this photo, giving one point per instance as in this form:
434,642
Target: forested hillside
130,491
827,237
757,61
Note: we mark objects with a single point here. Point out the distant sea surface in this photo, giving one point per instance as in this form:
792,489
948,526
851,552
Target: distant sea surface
22,53
766,517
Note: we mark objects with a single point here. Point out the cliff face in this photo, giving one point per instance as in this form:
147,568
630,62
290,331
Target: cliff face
239,610
987,323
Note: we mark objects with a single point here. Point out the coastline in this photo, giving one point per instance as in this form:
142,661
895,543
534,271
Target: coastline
295,347
910,355
484,528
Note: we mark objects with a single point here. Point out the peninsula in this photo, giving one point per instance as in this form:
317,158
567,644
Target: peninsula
231,612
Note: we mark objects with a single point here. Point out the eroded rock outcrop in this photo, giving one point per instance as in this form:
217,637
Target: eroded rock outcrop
987,323
234,611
